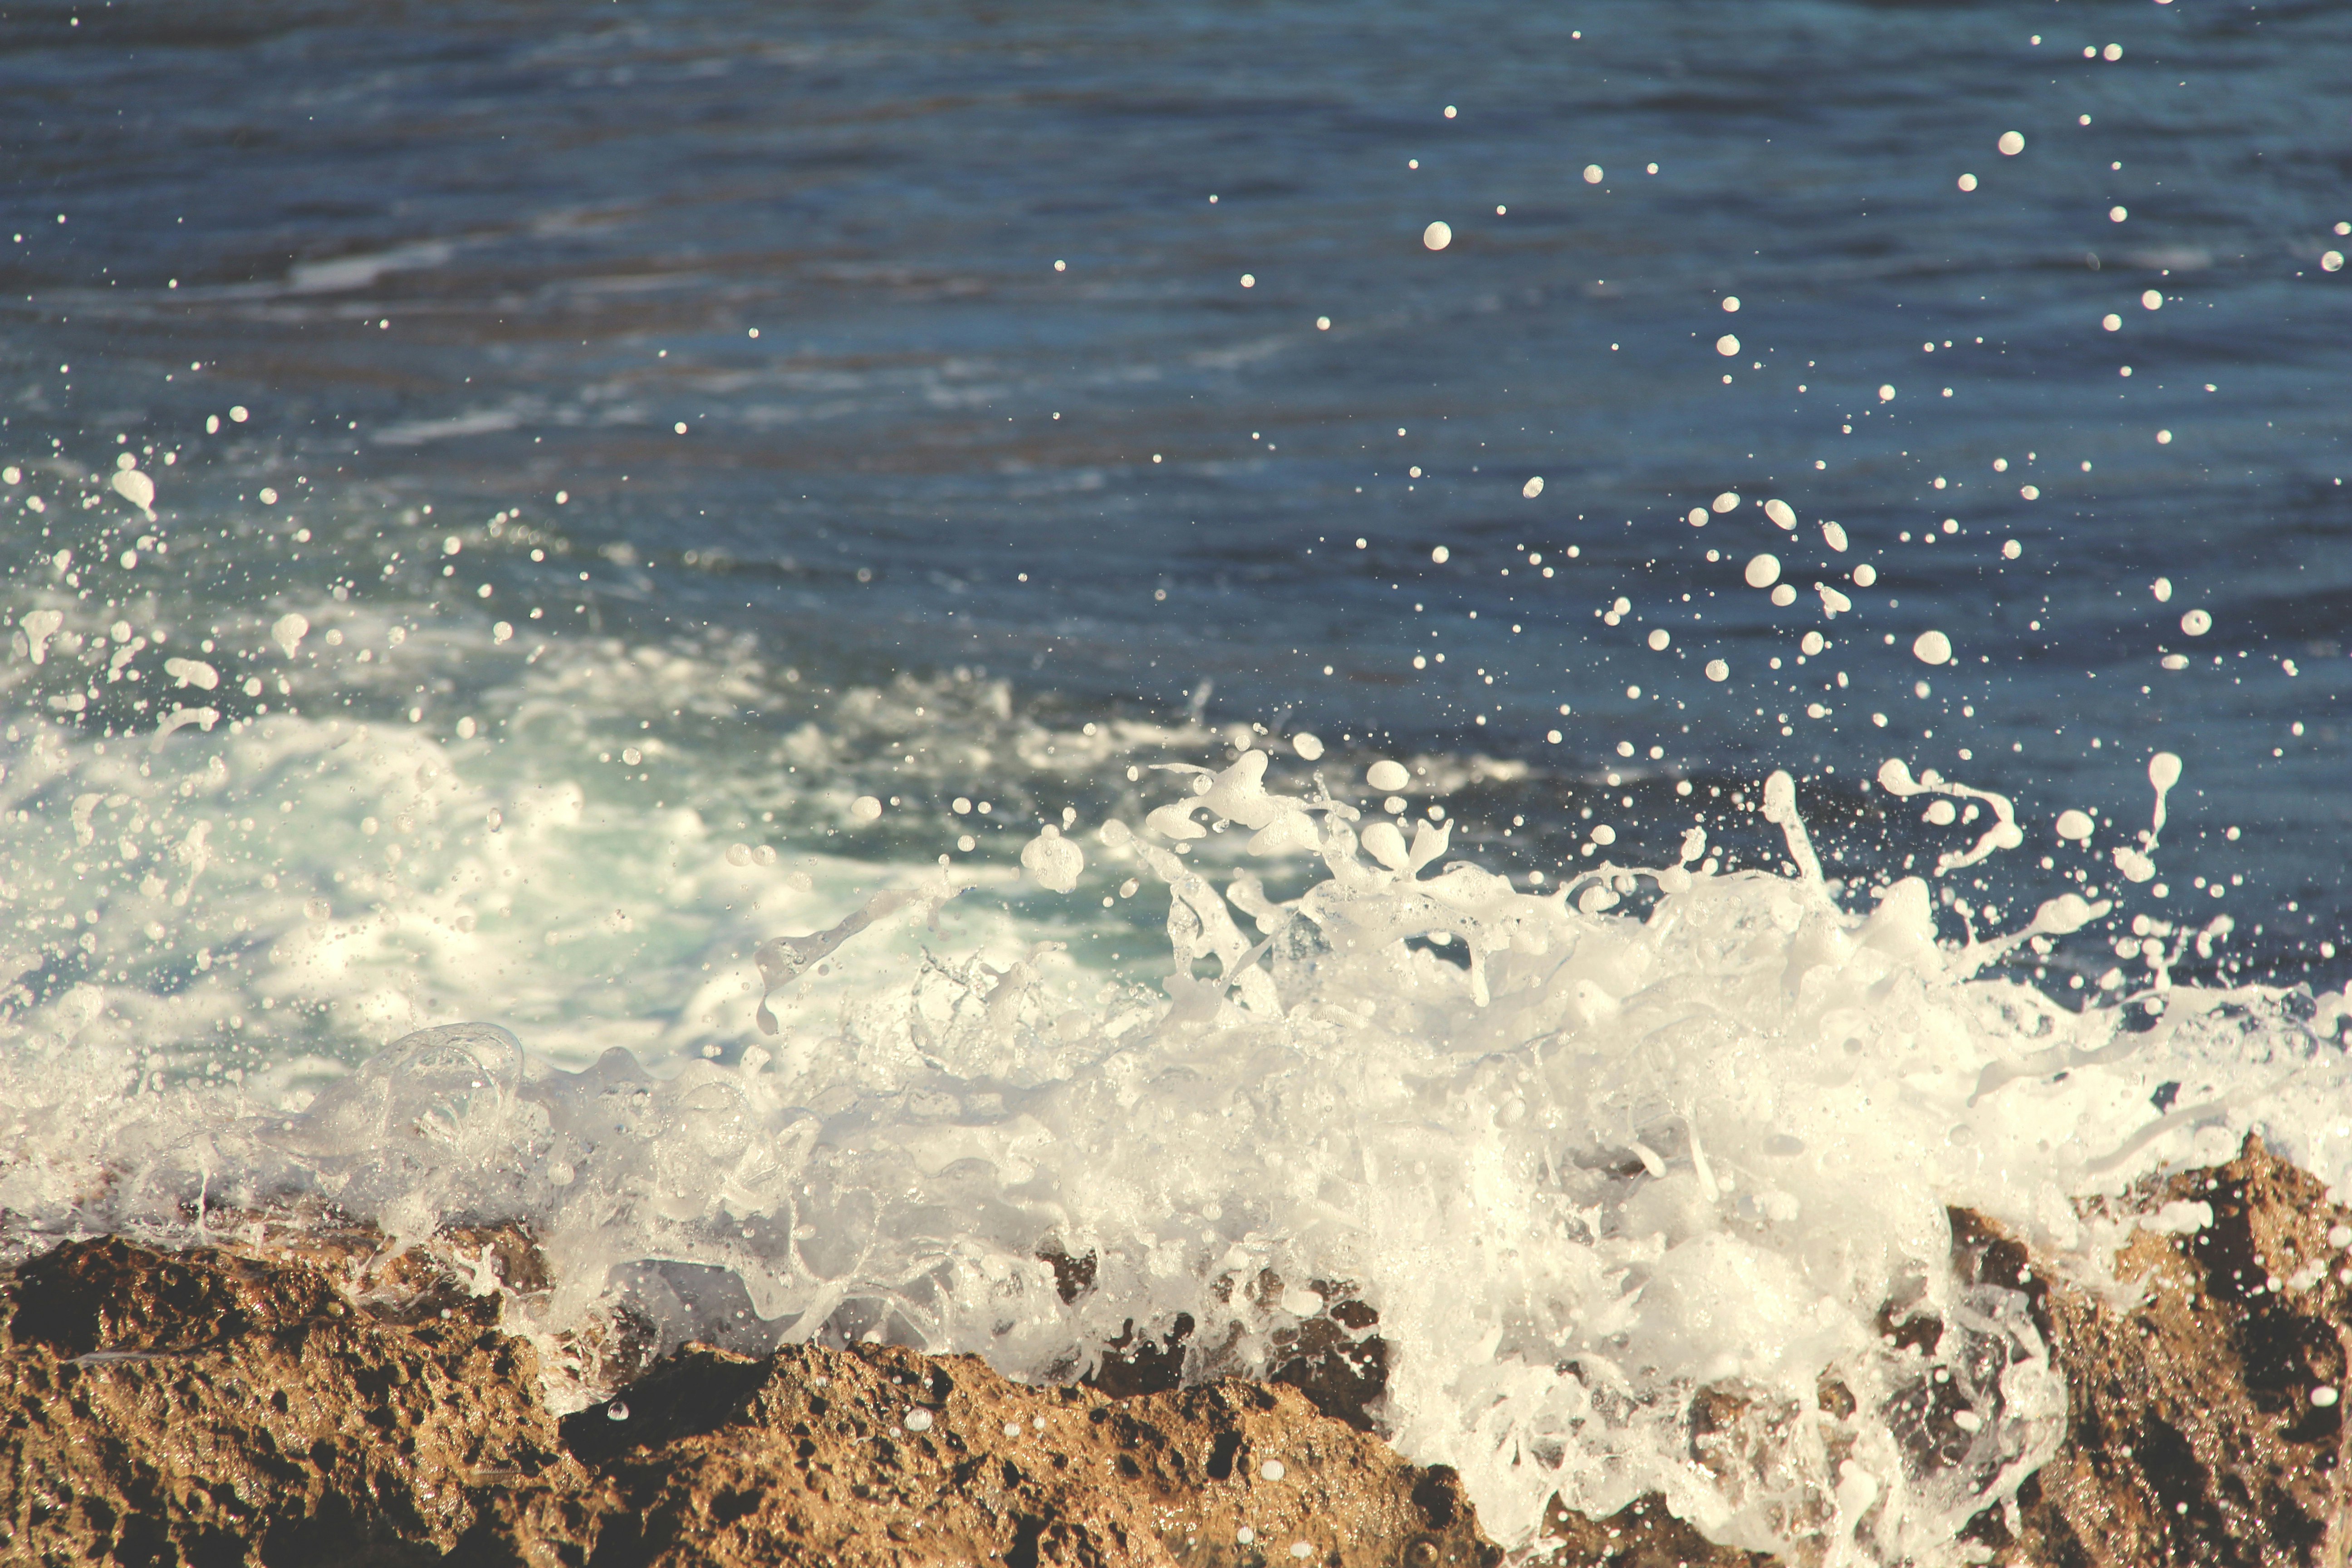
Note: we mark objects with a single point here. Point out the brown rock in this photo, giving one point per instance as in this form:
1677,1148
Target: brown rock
204,1408
2192,1433
882,1457
200,1407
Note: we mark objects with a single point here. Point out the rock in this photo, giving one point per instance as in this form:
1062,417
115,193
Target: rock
880,1456
2198,1430
350,1407
202,1408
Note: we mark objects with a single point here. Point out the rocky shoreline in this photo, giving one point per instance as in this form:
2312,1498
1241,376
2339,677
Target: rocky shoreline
208,1407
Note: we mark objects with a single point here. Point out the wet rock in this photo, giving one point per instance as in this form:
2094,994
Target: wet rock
2205,1419
1641,1534
199,1408
880,1456
202,1408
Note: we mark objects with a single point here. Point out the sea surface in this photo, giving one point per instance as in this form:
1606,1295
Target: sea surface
511,510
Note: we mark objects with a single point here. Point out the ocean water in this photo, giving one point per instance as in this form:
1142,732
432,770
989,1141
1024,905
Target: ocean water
832,654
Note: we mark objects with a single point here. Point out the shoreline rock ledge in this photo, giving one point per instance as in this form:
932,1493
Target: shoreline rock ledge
205,1407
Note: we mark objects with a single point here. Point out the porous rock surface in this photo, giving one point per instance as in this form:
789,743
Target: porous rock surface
2205,1422
202,1408
206,1408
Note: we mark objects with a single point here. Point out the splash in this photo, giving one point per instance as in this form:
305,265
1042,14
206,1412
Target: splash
1648,1165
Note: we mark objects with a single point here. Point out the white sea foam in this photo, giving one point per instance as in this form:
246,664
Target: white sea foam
1650,1140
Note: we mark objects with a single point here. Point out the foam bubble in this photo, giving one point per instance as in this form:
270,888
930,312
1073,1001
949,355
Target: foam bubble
1727,345
1782,515
1533,487
1437,236
2197,622
2011,143
1387,776
1308,746
1762,571
1932,647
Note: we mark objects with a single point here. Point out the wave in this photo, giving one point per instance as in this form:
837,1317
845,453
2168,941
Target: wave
1632,1181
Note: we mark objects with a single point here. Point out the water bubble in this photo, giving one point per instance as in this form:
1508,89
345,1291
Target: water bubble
1717,670
1727,502
1533,487
1812,643
1731,301
1659,638
1834,536
289,631
2010,549
2164,769
1782,515
1886,394
1784,595
1387,776
1763,570
1437,236
1271,1469
2197,622
2075,826
616,1411
1698,517
1308,746
1052,861
2152,299
1968,182
1932,647
1592,173
1441,555
136,487
1727,345
918,1420
2162,589
2011,143
865,808
2112,322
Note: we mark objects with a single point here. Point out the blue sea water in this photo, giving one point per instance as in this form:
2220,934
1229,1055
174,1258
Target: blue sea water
480,259
594,445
